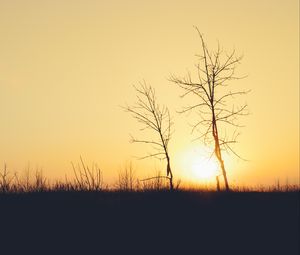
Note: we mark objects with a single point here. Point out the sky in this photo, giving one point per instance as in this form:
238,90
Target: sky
67,67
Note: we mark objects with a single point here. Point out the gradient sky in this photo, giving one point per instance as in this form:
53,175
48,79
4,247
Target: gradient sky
67,66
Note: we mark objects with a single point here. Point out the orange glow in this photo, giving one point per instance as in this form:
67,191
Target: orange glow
204,169
197,164
66,68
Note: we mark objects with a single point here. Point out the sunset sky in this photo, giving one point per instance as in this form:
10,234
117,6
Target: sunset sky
67,67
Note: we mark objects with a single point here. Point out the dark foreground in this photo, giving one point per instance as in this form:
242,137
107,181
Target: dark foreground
149,223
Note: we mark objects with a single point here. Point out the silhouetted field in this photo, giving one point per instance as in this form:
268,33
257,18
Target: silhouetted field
149,222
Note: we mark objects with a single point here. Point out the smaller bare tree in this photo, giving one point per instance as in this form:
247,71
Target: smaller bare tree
156,118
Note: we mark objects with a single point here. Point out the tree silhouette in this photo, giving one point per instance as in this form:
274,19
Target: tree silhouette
154,117
214,70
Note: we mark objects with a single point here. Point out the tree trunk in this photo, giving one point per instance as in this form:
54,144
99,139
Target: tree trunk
221,162
171,183
218,151
218,183
169,172
224,174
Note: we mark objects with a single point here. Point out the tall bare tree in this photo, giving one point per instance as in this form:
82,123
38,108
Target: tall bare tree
214,70
156,118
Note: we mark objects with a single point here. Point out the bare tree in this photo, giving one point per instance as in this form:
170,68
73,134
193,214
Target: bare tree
156,118
214,70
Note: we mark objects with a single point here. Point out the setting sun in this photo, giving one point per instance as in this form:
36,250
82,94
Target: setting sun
198,165
204,168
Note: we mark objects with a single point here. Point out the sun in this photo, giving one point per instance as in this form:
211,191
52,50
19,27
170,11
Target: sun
204,169
197,164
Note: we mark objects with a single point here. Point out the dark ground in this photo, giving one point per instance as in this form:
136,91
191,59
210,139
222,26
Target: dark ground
149,223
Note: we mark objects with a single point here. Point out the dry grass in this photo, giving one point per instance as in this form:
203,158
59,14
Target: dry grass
90,179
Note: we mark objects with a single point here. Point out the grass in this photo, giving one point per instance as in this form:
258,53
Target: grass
91,179
149,222
83,216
